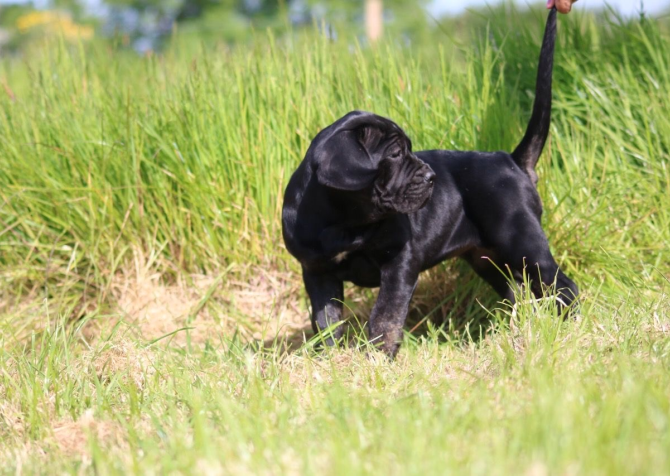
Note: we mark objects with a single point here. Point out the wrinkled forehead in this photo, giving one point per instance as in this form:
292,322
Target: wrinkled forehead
375,133
387,135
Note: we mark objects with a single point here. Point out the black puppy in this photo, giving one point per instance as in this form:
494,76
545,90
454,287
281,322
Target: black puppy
359,209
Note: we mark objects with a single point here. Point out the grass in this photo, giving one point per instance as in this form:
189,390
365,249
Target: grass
147,303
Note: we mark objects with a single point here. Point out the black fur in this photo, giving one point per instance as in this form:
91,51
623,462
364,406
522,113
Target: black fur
359,209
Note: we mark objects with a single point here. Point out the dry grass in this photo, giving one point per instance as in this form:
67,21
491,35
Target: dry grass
264,305
72,437
260,304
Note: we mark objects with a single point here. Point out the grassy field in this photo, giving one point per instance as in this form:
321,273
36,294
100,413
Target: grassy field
151,320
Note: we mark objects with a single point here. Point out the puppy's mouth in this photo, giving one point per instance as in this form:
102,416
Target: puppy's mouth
417,199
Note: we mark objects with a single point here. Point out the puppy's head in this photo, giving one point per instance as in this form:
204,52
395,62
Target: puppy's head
369,154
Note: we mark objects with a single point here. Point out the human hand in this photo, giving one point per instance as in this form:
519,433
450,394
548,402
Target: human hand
562,6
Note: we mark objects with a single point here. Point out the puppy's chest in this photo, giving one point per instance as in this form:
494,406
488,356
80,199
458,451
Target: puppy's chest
377,257
340,257
362,268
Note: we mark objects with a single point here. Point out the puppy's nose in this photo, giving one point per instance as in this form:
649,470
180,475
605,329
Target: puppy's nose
429,176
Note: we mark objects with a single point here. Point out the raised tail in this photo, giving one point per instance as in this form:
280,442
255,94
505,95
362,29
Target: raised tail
528,151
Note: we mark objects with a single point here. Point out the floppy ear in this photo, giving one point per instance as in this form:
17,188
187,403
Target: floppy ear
344,154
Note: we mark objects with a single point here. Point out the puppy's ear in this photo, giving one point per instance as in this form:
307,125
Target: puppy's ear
345,151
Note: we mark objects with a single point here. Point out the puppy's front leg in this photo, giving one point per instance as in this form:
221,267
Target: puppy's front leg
326,293
398,282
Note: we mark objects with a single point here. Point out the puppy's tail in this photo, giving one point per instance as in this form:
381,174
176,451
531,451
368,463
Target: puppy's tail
528,151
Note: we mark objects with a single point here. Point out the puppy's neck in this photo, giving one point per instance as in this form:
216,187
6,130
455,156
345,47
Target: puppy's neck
355,208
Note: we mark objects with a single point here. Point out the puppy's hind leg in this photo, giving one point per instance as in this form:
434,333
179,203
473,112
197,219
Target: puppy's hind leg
326,293
498,277
529,250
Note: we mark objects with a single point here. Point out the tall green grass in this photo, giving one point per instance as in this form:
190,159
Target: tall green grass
101,151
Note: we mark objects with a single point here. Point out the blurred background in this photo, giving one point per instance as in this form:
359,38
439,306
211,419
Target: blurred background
149,25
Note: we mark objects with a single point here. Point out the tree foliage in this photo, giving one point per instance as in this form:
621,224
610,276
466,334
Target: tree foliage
147,24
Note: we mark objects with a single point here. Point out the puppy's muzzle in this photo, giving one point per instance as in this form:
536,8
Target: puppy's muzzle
423,183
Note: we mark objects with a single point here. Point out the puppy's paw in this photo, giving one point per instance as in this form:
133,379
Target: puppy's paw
388,340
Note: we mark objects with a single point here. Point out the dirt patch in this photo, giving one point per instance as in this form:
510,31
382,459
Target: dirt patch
72,437
11,418
271,303
262,305
258,303
158,309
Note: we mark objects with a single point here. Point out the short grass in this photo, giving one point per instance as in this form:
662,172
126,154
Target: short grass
137,188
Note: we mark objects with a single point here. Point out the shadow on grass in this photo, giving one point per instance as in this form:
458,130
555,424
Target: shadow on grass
450,298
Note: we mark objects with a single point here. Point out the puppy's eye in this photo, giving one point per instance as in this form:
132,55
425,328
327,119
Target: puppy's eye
395,154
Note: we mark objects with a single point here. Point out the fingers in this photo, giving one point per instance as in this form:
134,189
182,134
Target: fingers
563,6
